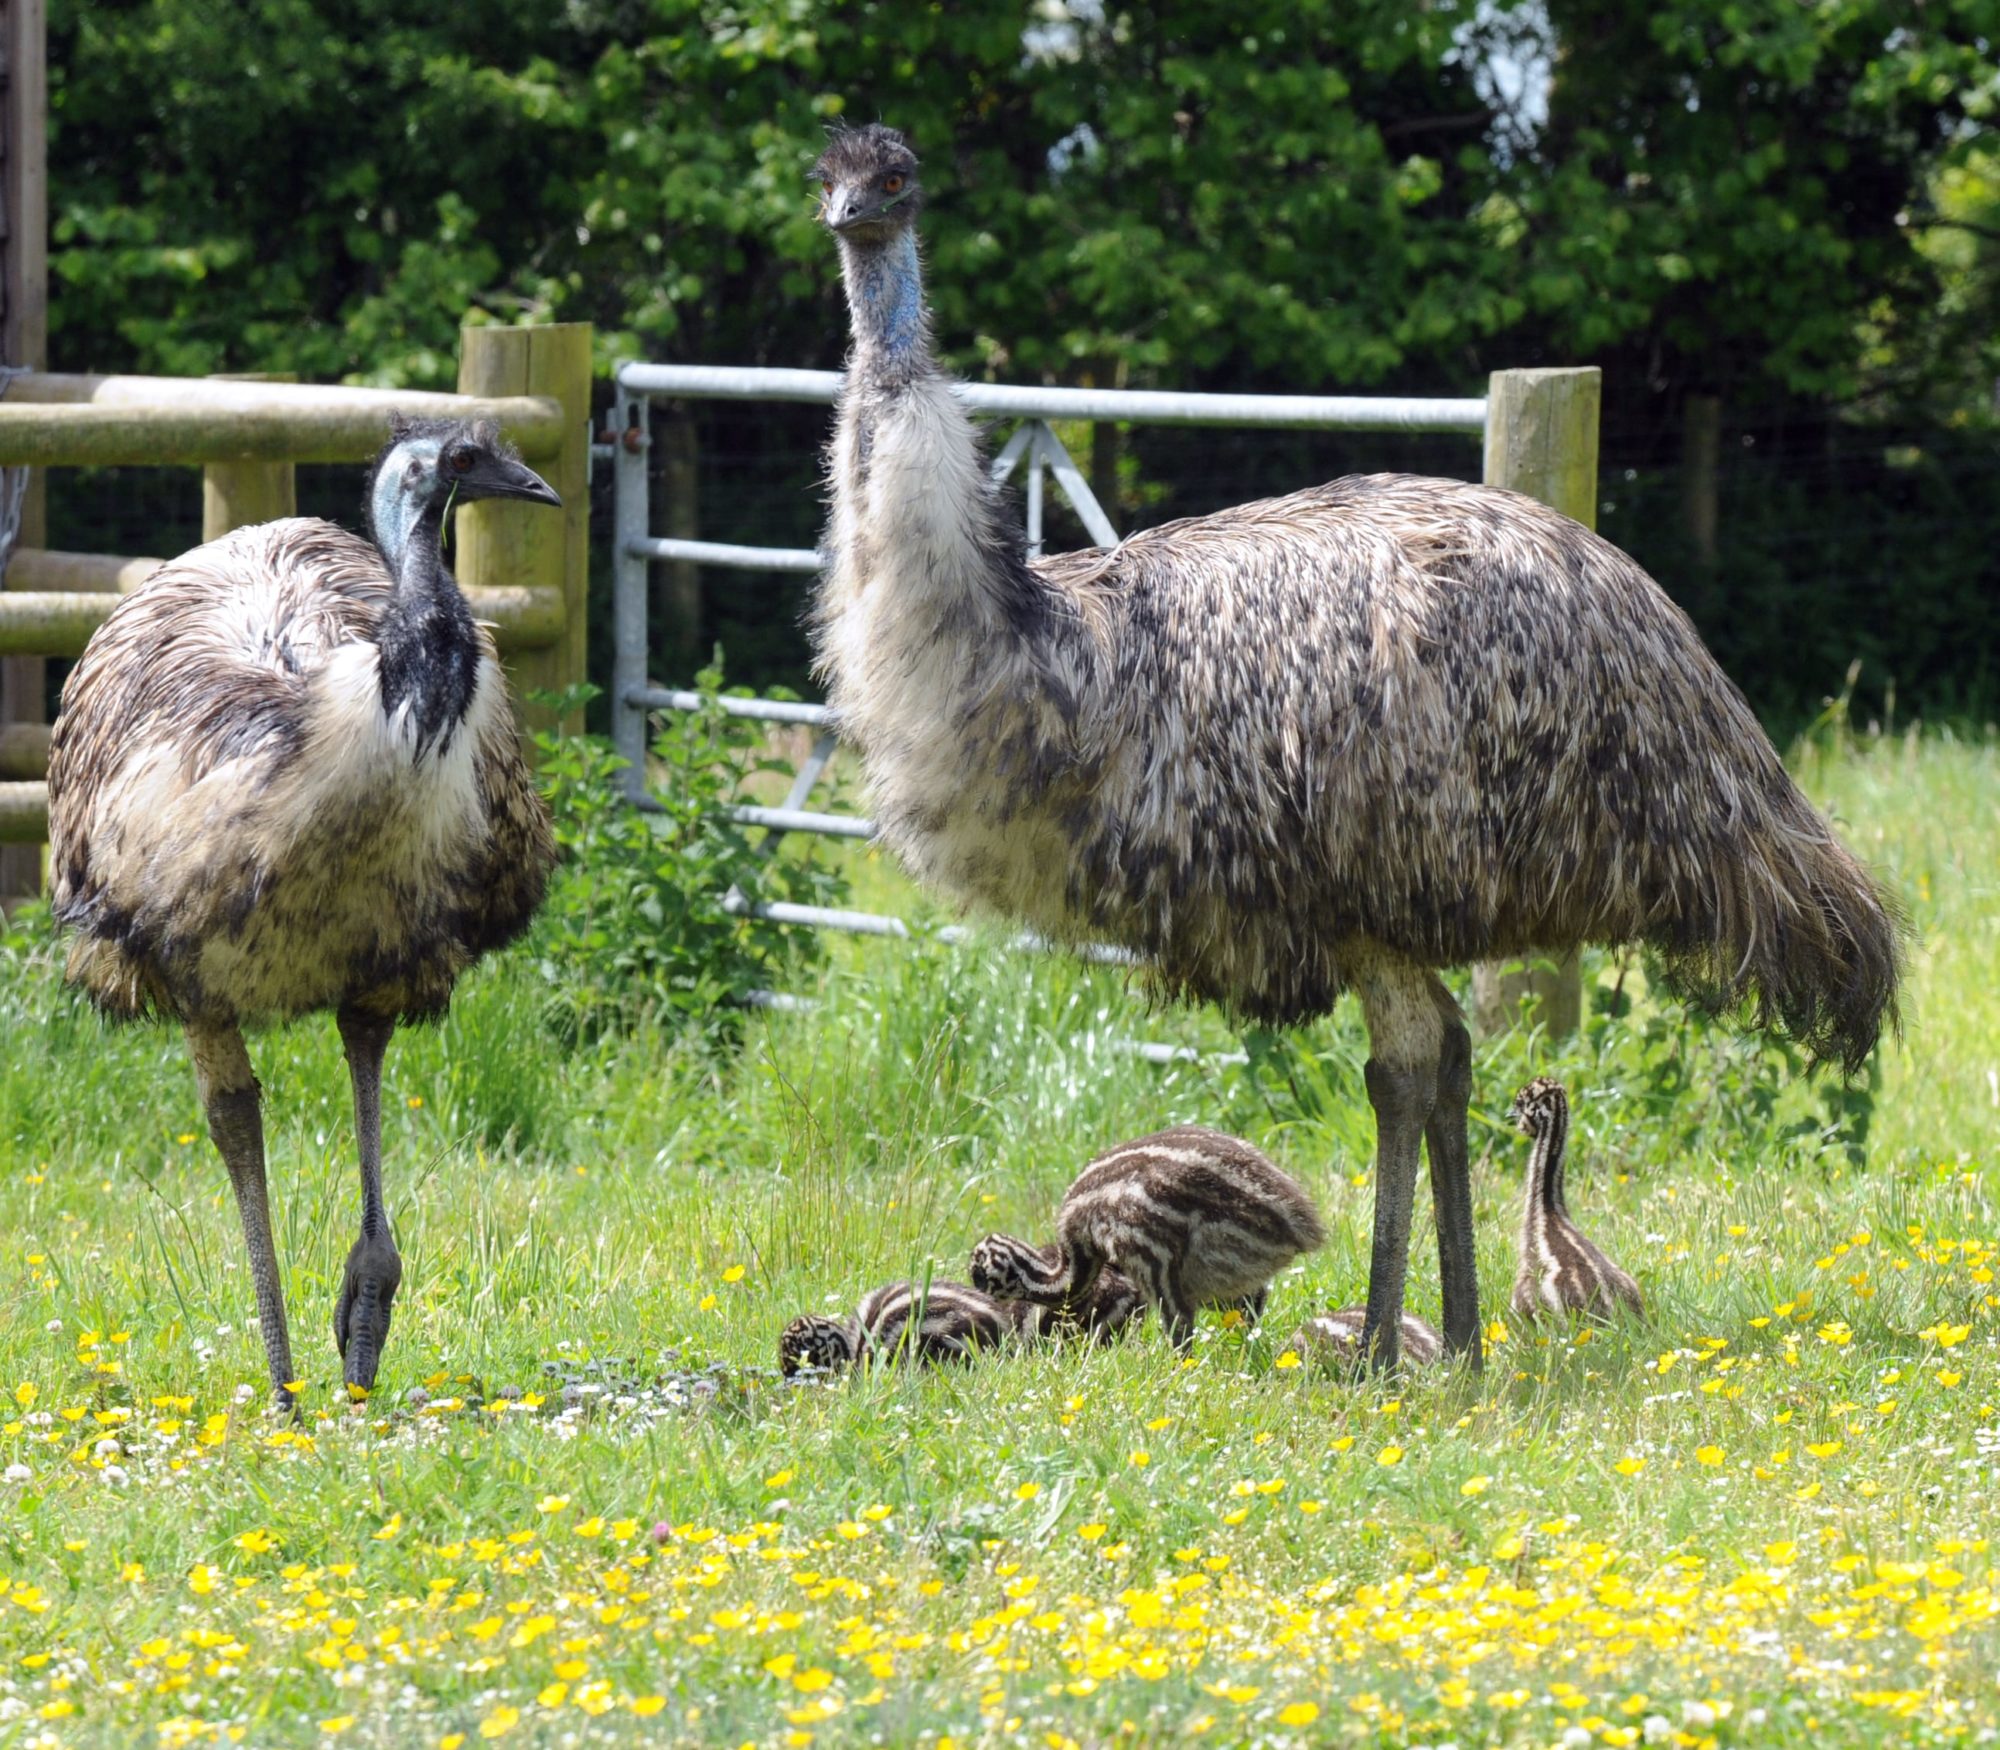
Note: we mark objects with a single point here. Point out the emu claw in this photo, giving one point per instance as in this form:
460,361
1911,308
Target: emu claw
361,1315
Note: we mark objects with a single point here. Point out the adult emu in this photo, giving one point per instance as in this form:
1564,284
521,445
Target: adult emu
286,778
1326,742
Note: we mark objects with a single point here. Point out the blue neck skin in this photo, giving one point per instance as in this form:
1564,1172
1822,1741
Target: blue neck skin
394,510
885,293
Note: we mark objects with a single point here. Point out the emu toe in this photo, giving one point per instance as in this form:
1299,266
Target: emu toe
361,1315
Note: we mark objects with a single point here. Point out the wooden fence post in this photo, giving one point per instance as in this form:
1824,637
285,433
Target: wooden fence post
1541,440
503,542
234,495
24,338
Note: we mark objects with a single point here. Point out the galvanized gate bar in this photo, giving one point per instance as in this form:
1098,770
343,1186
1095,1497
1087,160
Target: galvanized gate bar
1076,489
770,710
722,553
838,826
1033,401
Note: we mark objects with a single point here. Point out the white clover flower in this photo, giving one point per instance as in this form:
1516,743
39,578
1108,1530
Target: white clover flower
19,1473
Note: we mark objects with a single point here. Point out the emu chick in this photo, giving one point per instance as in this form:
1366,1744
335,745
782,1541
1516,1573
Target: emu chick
1195,1218
943,1321
1560,1269
956,1320
1336,1335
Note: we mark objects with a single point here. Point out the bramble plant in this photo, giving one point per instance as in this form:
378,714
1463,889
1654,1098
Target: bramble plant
638,923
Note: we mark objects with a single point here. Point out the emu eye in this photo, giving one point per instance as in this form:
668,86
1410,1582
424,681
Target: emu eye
892,185
461,462
827,186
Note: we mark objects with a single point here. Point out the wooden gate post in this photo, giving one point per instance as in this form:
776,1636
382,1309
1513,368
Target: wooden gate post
234,495
503,542
1541,440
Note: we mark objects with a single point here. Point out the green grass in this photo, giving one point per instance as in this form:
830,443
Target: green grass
1761,1515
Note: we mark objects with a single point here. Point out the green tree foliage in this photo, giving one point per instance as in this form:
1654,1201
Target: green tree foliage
1787,204
1319,193
1737,189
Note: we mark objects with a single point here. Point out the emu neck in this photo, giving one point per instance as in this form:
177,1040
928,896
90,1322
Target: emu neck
428,645
1545,1165
393,514
885,301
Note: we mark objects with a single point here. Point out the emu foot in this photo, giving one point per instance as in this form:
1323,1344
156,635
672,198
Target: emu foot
361,1315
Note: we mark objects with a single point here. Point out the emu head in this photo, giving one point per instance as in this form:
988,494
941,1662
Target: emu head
427,461
812,1341
868,183
1538,1105
1001,1267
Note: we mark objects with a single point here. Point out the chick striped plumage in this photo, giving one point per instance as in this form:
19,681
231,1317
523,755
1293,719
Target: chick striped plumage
1194,1217
1560,1269
945,1321
1336,1335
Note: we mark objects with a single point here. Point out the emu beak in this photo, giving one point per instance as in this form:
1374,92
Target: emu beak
503,477
847,207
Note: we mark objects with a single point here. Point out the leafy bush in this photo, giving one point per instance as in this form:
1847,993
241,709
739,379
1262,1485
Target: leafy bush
638,925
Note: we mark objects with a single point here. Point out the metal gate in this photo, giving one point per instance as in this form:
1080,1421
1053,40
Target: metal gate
1032,442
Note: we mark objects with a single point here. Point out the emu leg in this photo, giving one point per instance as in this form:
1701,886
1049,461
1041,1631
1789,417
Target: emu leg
1451,1186
1251,1306
1405,1033
235,1120
374,1270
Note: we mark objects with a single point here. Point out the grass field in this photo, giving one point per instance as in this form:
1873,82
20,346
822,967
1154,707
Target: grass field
1762,1515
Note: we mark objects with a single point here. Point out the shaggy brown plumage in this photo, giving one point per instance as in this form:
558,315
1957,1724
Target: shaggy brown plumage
1330,741
232,841
1192,1217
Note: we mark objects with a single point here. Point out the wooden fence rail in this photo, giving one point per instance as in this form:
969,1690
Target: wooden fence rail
527,578
59,623
51,419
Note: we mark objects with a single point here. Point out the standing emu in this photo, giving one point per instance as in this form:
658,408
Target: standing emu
1326,742
286,778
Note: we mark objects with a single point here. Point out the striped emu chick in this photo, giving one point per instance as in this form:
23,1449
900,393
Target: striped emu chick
1113,1302
1194,1217
1560,1270
1336,1336
939,1321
